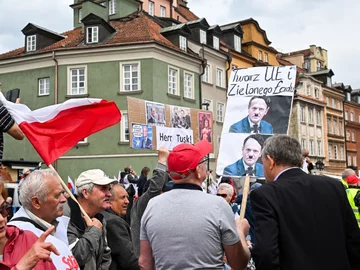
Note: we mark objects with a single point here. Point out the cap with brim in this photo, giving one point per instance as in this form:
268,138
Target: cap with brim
185,157
352,179
96,176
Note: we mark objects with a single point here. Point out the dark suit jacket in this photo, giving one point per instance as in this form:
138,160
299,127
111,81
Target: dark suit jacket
238,168
147,144
119,240
243,126
304,221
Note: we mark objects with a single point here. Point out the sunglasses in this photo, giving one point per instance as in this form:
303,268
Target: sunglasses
222,195
5,208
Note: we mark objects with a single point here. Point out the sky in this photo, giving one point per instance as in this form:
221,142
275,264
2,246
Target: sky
290,25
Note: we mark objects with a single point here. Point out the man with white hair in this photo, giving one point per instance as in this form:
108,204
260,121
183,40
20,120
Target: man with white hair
42,199
226,191
87,236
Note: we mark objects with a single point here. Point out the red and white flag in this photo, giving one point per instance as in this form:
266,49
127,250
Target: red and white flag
55,129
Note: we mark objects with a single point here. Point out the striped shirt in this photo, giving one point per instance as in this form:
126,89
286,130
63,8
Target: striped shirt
6,122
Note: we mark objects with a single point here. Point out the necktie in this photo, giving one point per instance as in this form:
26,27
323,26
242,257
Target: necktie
250,171
255,128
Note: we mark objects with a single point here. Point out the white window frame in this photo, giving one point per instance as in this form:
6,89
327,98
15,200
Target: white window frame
202,36
339,105
216,43
308,90
340,128
207,74
346,115
330,151
237,43
266,59
69,74
94,38
312,147
80,15
347,135
317,93
327,101
112,7
349,160
319,147
183,43
335,126
311,115
333,103
219,77
353,136
329,125
336,152
162,11
341,152
151,7
177,82
125,118
122,76
354,161
31,43
220,112
211,105
44,86
302,114
351,116
260,55
190,95
318,117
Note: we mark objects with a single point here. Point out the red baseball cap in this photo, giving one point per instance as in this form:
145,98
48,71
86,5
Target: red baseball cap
185,157
352,179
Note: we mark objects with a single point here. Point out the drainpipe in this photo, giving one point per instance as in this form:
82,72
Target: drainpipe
229,60
171,9
203,65
56,88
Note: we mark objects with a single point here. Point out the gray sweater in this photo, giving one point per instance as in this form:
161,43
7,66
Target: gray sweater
156,184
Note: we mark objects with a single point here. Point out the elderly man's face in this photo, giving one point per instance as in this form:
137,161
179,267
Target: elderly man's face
145,131
257,110
52,207
251,152
223,193
100,196
120,201
153,112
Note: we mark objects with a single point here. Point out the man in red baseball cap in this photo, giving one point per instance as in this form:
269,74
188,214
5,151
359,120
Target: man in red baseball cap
351,192
186,228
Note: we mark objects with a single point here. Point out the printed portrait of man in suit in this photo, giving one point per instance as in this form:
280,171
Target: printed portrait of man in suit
146,142
248,165
258,107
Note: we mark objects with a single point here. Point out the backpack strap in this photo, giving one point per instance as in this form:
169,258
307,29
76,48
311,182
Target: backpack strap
25,219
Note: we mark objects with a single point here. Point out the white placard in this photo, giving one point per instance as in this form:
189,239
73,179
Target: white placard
171,137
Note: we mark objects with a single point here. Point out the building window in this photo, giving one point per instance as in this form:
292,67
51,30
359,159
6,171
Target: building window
151,8
173,81
308,90
260,55
183,43
216,43
351,116
330,151
162,11
188,85
318,65
339,105
220,112
307,65
124,127
336,154
353,136
130,76
317,93
303,143
311,115
319,147
312,149
202,37
348,96
219,77
335,127
77,81
92,35
333,103
341,152
302,114
346,115
348,160
318,117
266,60
112,7
347,135
237,43
80,15
354,161
31,43
340,128
44,86
207,74
208,101
327,101
329,125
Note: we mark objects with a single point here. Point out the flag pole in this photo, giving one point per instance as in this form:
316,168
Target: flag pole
245,196
69,192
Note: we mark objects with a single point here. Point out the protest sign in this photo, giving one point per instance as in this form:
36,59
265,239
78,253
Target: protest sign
259,104
170,137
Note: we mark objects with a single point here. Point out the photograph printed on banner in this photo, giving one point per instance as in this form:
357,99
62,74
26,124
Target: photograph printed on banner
258,114
242,158
205,126
155,113
180,117
142,136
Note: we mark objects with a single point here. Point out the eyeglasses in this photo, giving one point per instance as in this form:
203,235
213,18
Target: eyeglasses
222,195
202,161
5,208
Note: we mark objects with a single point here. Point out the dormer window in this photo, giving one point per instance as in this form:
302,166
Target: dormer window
92,34
80,15
183,45
216,43
31,43
202,37
237,43
112,7
151,8
348,96
358,100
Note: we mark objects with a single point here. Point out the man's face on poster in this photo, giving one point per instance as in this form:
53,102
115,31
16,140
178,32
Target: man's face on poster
251,152
145,130
257,110
153,112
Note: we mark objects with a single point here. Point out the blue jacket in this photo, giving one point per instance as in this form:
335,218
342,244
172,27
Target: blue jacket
238,169
243,126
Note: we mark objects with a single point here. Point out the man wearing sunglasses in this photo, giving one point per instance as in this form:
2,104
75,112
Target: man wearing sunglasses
186,228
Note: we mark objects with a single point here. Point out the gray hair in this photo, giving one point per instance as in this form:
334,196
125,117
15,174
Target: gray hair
34,185
347,172
88,187
112,190
285,150
227,187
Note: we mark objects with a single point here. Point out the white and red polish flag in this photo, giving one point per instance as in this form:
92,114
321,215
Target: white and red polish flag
55,129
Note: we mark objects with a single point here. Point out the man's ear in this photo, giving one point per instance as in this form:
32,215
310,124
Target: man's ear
266,110
271,162
35,202
85,193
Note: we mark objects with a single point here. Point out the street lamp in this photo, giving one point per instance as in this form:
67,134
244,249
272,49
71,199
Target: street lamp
207,104
319,165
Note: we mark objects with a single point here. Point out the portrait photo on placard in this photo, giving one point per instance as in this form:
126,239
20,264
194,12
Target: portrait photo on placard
155,113
180,117
142,136
205,126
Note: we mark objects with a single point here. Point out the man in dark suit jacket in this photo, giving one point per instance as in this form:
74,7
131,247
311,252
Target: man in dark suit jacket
302,221
253,123
146,142
251,152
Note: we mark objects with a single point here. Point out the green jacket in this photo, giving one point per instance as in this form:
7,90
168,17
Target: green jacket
351,192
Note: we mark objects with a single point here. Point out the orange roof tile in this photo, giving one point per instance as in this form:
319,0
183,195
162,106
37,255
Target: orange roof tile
186,13
305,52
